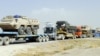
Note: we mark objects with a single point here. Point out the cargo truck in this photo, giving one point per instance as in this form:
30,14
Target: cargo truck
62,30
84,31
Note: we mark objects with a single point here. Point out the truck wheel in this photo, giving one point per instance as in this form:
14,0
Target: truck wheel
55,38
12,40
29,31
35,32
47,39
21,30
44,40
39,39
90,36
61,36
1,41
6,40
74,37
84,36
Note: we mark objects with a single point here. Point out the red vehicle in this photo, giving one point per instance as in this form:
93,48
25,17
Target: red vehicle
78,32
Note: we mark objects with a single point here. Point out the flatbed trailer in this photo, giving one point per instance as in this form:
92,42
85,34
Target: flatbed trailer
7,37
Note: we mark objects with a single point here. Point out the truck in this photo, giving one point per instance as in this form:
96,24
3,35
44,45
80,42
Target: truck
62,30
78,32
84,31
50,30
16,27
96,32
65,29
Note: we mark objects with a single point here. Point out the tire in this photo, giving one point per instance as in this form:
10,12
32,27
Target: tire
29,31
21,30
6,40
47,39
34,30
44,39
61,36
90,36
55,38
80,36
1,41
39,39
74,37
12,40
84,36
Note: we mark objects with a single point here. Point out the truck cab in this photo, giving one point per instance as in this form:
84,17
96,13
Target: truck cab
50,30
78,31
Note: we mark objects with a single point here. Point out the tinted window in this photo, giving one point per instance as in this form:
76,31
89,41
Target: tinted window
48,30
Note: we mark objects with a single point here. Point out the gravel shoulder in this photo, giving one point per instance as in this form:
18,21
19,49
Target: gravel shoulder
11,50
56,48
69,47
80,52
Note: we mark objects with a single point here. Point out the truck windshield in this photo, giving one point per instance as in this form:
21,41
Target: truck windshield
48,30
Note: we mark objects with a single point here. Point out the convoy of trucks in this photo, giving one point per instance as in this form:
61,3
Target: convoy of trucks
16,27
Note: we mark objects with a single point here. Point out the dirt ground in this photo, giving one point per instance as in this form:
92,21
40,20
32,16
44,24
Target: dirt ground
70,47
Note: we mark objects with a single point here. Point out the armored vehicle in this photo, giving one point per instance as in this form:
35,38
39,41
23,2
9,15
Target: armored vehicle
22,24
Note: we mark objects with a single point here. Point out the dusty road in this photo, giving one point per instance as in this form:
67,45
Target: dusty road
77,47
12,49
80,52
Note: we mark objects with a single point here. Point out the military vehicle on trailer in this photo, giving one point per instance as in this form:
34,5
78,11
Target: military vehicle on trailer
16,27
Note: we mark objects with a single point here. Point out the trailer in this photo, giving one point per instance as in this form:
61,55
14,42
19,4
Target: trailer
8,37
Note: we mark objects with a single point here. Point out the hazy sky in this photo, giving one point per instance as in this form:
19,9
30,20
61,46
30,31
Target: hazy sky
76,12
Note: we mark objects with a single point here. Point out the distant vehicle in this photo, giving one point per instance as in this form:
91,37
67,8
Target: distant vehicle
96,32
62,30
50,30
65,29
84,31
78,32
